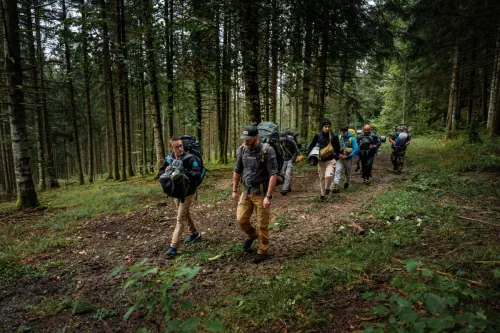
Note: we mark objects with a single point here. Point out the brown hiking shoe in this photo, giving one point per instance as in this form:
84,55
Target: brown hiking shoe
247,244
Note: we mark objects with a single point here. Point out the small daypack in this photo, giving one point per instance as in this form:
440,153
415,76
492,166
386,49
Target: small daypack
346,148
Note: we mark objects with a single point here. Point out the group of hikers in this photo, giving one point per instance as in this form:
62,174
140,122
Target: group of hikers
257,170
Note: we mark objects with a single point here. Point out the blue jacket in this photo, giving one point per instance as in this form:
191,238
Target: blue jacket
353,141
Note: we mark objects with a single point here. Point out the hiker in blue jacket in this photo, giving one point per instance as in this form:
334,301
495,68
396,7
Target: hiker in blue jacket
348,150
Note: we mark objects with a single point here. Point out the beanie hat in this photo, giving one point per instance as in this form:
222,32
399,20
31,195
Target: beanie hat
326,121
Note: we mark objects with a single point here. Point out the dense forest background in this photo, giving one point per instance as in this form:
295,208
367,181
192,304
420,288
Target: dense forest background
95,88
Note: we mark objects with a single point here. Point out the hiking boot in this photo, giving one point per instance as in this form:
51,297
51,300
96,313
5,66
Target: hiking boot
327,192
283,194
336,189
193,238
247,244
366,181
172,251
346,186
260,258
322,198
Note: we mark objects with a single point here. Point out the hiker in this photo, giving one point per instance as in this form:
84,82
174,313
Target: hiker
368,143
191,166
257,169
348,151
291,152
399,140
329,150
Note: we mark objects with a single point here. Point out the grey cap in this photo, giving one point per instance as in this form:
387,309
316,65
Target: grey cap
249,132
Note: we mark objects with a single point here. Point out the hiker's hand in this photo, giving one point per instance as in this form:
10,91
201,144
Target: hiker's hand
267,202
236,196
344,156
371,146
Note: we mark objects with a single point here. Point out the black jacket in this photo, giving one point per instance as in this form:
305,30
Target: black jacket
192,169
324,139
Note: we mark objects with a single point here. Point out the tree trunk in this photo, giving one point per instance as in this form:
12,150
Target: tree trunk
126,99
265,61
249,30
297,55
120,73
274,60
26,194
142,107
323,66
306,79
86,76
493,108
110,89
54,183
153,83
453,91
38,107
67,52
170,68
474,96
109,138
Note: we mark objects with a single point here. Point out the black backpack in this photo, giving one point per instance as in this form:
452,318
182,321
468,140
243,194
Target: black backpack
174,181
193,146
269,133
293,134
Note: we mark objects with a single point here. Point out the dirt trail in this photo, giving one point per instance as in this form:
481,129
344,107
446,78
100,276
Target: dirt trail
103,243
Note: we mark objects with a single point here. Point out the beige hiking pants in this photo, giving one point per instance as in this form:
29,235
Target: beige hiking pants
325,170
183,219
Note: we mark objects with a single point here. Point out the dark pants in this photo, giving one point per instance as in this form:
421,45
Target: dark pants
398,158
367,163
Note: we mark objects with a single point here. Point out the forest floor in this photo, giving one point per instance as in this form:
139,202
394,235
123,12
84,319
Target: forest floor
440,215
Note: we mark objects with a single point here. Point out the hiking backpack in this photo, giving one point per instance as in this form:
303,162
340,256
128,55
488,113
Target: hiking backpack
401,140
270,135
292,134
174,181
364,143
193,146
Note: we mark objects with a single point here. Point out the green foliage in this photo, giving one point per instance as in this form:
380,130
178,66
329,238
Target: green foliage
429,302
160,293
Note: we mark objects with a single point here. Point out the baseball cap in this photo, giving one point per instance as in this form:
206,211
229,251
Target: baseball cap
249,132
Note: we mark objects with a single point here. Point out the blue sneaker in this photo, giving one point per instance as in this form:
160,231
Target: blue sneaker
193,238
172,251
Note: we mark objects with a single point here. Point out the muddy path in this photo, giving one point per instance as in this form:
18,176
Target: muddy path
81,267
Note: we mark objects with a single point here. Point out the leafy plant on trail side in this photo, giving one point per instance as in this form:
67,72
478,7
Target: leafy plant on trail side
159,292
428,302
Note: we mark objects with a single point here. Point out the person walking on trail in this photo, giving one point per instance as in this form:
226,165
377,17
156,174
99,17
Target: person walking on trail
368,143
348,151
291,152
257,170
192,169
399,140
329,150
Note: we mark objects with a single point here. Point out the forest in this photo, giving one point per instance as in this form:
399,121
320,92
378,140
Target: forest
91,93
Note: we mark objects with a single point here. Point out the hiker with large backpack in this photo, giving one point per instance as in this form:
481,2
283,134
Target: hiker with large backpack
368,143
257,170
348,151
329,147
291,151
180,177
399,140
